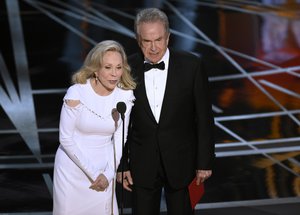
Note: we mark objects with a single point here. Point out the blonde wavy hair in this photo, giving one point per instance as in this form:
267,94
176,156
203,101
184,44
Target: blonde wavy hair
94,61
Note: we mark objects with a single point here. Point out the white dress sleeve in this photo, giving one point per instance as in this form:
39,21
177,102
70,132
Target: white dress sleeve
67,125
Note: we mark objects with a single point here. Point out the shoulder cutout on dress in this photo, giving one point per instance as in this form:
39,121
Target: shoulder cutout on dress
72,103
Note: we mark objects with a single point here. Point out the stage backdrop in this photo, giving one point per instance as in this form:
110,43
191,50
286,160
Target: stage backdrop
252,54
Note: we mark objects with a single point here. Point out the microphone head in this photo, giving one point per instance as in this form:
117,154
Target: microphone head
121,107
115,114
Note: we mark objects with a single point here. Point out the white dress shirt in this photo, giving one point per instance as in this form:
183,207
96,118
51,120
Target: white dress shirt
155,82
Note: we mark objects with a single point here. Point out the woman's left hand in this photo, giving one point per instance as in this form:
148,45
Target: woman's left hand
100,184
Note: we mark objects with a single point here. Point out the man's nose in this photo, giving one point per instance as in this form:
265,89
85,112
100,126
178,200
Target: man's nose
153,46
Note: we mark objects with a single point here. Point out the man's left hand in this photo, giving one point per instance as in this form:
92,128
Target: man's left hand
202,175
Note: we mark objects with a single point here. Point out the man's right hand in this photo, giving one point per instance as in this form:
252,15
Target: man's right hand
127,180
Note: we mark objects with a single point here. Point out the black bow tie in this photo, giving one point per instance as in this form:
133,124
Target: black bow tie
148,66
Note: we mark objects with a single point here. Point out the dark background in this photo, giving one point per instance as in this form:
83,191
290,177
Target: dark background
252,55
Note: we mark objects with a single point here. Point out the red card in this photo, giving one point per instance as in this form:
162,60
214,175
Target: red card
196,192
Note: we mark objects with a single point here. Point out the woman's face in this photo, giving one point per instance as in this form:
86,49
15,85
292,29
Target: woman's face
111,71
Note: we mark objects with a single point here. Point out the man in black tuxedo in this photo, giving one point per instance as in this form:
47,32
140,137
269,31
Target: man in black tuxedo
170,138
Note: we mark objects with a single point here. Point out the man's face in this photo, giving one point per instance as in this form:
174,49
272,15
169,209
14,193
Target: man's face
153,40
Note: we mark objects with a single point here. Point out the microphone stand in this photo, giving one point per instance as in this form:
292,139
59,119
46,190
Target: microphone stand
122,165
121,108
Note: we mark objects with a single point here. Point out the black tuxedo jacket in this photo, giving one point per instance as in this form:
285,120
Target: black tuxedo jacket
183,137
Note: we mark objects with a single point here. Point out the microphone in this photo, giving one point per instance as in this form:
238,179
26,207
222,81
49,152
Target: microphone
121,108
115,115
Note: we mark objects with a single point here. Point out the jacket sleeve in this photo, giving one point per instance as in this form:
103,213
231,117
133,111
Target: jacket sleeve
205,120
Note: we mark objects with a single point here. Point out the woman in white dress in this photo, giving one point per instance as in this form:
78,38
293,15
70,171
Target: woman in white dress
90,133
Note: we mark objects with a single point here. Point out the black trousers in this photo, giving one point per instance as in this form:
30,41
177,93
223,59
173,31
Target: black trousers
146,201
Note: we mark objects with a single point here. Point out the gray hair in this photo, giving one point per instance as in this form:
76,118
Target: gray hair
151,15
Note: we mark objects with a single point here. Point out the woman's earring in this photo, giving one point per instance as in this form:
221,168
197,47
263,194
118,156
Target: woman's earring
120,85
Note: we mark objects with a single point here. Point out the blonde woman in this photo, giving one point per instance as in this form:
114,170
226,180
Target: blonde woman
90,133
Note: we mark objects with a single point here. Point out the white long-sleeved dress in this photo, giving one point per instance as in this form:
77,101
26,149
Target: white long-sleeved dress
88,135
